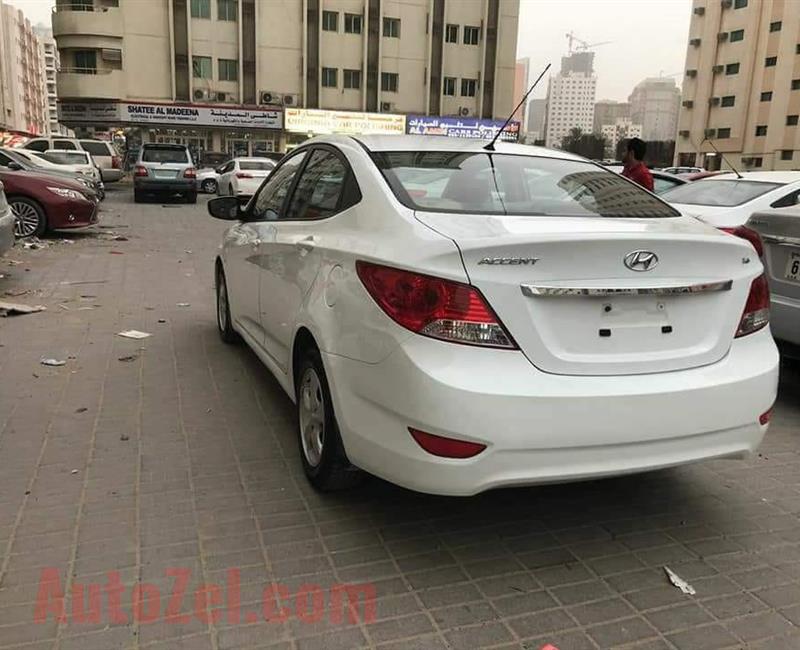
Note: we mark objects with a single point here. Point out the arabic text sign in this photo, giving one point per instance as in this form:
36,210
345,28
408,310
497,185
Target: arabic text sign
303,120
462,127
93,112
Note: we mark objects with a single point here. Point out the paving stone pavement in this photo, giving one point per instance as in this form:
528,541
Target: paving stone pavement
182,463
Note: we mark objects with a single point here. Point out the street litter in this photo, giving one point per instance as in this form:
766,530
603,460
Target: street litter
16,292
119,238
115,253
82,409
679,582
34,245
52,362
162,320
128,357
74,471
183,304
13,309
63,306
134,334
124,437
188,252
86,282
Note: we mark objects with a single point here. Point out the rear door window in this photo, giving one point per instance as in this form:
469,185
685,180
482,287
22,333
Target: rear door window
165,155
319,188
38,145
270,199
64,144
95,148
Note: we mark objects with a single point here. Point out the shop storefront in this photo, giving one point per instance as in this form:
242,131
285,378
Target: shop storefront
461,127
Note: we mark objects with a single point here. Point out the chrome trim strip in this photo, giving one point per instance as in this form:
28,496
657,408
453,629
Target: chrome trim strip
540,291
781,240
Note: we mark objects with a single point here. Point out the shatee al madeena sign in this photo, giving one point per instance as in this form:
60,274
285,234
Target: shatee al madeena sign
461,127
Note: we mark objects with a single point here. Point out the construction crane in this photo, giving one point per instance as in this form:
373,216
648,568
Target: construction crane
582,45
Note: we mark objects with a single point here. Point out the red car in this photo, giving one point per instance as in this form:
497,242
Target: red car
41,202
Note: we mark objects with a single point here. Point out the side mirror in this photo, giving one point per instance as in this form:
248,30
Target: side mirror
225,208
14,166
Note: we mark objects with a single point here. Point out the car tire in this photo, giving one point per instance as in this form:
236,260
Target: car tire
209,186
321,450
191,197
138,196
224,326
30,219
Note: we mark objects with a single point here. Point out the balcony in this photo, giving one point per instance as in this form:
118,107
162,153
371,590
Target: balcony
88,83
85,20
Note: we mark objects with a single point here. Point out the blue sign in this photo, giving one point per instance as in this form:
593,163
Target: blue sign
461,127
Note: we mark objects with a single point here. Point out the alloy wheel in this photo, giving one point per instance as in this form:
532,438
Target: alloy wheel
26,219
312,416
209,186
222,303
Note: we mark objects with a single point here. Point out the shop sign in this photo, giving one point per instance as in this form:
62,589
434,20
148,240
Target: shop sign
460,127
302,120
90,112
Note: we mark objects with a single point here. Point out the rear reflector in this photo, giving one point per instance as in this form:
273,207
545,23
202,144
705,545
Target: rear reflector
765,417
750,235
441,309
446,447
756,310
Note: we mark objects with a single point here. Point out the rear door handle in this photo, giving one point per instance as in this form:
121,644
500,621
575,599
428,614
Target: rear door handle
307,243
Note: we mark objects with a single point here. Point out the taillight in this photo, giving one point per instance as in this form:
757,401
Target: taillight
765,417
442,309
756,310
140,171
190,172
750,235
243,175
446,447
115,162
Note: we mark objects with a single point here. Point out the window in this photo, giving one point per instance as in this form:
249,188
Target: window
739,4
449,86
86,61
201,67
732,68
761,129
795,84
352,79
4,161
269,201
165,153
787,154
95,148
389,82
766,96
353,23
64,144
228,70
723,133
201,9
391,27
757,162
724,193
737,35
728,100
330,21
469,87
776,26
319,188
771,61
41,145
451,33
791,120
471,35
329,78
227,9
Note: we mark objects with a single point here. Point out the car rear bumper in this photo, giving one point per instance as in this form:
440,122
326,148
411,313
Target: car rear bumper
785,318
111,175
540,427
248,187
166,185
6,231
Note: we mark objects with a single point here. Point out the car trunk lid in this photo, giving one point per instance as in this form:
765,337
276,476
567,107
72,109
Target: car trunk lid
780,232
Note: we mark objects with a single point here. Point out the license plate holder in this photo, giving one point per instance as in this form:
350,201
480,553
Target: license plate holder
792,272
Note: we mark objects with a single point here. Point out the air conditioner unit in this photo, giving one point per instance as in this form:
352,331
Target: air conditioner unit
695,41
684,133
291,100
463,111
713,101
699,11
718,68
710,133
688,103
201,94
270,97
722,36
691,73
387,107
225,97
108,54
727,4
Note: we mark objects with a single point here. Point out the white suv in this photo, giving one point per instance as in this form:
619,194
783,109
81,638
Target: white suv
106,157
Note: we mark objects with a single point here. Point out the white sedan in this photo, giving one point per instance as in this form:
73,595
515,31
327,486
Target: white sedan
454,319
242,176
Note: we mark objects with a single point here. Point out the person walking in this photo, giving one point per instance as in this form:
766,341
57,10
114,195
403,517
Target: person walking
634,168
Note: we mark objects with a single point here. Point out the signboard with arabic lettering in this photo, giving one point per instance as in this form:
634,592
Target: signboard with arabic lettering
302,120
461,127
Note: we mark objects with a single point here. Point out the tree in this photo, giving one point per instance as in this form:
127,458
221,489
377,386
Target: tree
588,145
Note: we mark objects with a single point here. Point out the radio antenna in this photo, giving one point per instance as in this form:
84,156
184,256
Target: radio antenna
735,171
490,146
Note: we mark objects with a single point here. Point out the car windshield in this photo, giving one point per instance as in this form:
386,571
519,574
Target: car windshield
165,155
256,165
724,194
484,183
66,157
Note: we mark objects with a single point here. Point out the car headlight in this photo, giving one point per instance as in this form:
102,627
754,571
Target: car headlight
86,182
66,193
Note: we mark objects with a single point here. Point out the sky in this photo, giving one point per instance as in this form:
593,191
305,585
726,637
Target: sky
648,37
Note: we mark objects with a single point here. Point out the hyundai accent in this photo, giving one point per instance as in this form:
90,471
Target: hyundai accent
455,319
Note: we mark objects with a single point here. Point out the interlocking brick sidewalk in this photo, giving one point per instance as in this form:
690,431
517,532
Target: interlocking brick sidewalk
185,457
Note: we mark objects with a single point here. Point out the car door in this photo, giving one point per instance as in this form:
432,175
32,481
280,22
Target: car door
223,185
294,244
245,258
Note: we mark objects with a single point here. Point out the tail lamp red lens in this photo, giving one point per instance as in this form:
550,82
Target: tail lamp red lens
243,175
190,172
756,310
115,162
750,235
140,171
446,447
441,309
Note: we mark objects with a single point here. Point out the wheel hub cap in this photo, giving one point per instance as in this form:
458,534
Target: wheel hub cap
222,305
312,416
26,219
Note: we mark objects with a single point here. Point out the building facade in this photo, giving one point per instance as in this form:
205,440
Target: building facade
621,129
654,103
521,82
23,98
742,86
223,74
535,121
51,65
570,98
607,111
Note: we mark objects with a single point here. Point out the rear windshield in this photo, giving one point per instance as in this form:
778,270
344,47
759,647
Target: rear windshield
66,157
95,148
725,194
494,183
165,155
256,165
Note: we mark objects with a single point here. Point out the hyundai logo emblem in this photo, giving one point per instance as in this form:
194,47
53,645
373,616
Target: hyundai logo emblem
641,260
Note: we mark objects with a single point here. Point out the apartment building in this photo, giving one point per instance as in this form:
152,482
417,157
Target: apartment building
608,111
621,129
50,54
249,76
23,99
570,98
742,85
655,103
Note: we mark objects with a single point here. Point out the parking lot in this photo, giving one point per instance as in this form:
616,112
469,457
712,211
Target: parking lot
175,455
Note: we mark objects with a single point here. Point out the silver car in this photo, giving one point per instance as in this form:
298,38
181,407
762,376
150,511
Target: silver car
6,224
780,231
164,169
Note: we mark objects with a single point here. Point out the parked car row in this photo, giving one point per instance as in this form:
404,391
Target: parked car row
7,222
103,153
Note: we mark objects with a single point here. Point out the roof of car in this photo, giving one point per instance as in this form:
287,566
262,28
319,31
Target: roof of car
760,177
442,143
163,145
